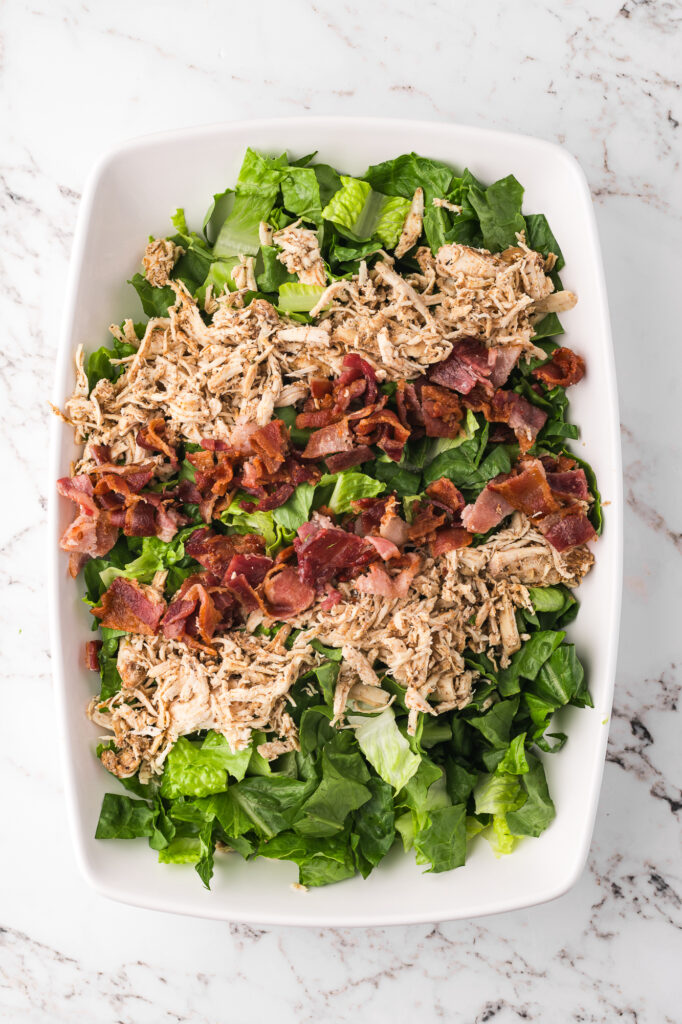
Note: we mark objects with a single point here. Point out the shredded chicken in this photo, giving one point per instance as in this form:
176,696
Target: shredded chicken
466,599
301,254
170,691
412,228
490,296
159,258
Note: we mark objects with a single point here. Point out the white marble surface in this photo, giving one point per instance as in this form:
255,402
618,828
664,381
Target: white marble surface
599,77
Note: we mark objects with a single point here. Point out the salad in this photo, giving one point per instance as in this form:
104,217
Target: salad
329,524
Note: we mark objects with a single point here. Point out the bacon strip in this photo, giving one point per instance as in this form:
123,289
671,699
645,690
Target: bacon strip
129,605
563,368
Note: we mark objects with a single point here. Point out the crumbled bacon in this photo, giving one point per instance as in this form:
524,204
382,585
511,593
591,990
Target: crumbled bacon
92,649
193,613
570,484
527,490
465,367
152,439
129,605
325,551
442,411
344,460
449,538
384,429
336,437
563,368
444,493
487,511
424,525
92,536
567,528
285,594
377,581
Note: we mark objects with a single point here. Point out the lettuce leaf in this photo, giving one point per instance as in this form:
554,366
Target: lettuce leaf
498,209
255,193
193,770
295,297
385,747
155,301
350,486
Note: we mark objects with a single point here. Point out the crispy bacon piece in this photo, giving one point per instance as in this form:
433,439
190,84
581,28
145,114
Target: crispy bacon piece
442,411
285,594
213,474
409,406
502,361
92,649
527,491
377,581
324,551
254,569
92,536
129,605
140,520
384,429
316,418
570,484
424,525
525,419
136,474
152,438
192,614
567,528
449,538
101,453
444,493
271,444
465,367
386,549
487,511
79,489
344,460
214,444
356,370
337,437
215,551
563,368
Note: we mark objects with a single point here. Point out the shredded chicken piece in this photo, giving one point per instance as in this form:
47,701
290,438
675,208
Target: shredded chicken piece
460,601
445,205
159,258
490,296
301,254
244,274
171,691
412,228
201,378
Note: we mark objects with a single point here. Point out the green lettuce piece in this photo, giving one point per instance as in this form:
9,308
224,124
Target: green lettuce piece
155,556
296,510
342,789
442,844
539,237
351,487
403,175
270,273
183,850
221,204
241,520
528,661
389,226
498,208
495,723
270,803
515,761
537,811
374,826
219,278
498,793
295,297
385,747
320,861
99,363
256,191
121,817
155,301
301,193
193,770
110,679
346,205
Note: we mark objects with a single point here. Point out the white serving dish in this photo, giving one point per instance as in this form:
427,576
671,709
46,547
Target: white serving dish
130,194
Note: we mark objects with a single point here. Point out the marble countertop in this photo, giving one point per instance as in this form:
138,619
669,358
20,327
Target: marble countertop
602,79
